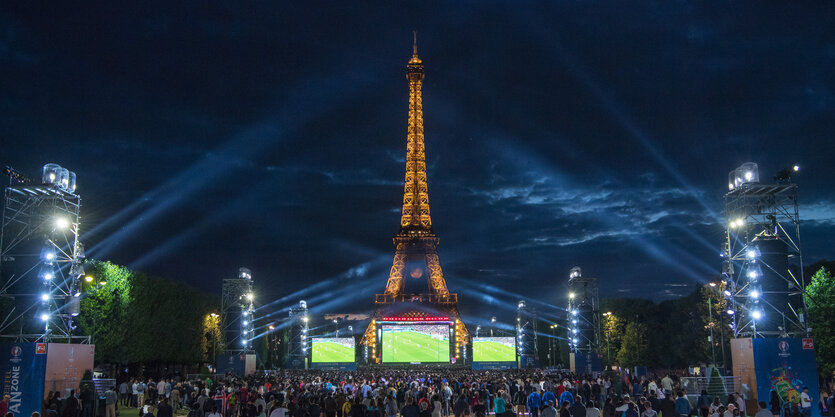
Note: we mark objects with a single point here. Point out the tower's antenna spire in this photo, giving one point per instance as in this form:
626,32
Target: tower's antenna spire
414,47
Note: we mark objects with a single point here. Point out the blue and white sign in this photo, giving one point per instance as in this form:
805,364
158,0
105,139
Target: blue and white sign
23,366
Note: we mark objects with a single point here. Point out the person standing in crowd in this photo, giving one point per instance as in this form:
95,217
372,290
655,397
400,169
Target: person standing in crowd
648,411
682,405
824,405
110,401
806,403
165,409
549,410
564,411
124,394
763,410
578,409
592,410
533,403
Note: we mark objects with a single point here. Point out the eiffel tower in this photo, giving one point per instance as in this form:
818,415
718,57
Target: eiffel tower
416,288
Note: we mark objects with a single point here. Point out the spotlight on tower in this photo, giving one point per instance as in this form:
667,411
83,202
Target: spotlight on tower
61,223
45,297
757,314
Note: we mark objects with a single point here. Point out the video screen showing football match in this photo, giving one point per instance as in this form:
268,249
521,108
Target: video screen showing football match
494,349
332,349
415,343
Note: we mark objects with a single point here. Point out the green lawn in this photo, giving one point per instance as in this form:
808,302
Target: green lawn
409,346
327,352
490,351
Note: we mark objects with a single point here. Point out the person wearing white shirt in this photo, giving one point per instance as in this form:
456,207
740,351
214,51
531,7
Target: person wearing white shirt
592,411
279,412
806,402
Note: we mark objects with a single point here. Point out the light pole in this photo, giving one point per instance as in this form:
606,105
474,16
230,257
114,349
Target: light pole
608,315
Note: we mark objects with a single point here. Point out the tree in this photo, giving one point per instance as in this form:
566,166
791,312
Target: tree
820,304
634,346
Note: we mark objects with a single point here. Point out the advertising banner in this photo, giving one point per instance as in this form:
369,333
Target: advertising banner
786,366
23,366
65,365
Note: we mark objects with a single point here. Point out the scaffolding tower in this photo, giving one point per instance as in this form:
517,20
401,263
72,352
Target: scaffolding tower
237,312
41,257
526,335
298,339
583,314
762,261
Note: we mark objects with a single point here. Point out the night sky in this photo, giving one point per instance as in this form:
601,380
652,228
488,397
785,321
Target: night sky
208,136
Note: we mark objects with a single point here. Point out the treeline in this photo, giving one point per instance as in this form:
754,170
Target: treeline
135,319
674,334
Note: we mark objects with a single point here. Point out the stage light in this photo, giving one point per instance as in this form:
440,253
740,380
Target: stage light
749,175
46,273
45,297
752,253
245,313
271,327
304,330
712,284
250,296
213,315
754,294
88,279
305,319
245,322
243,342
103,282
752,274
796,168
575,312
730,312
756,314
44,316
574,331
575,340
573,321
49,255
571,295
62,223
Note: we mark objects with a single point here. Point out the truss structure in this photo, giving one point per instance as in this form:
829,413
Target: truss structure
41,263
237,312
763,262
583,315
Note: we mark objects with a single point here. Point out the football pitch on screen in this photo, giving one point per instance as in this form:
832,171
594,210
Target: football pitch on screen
489,351
332,352
409,346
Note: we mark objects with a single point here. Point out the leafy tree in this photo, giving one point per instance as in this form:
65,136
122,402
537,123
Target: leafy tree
105,309
634,347
820,304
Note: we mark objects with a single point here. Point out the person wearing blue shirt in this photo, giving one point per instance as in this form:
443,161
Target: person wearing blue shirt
567,396
534,403
682,405
549,396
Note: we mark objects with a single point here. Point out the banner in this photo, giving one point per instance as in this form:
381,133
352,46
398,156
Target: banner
65,366
786,366
23,366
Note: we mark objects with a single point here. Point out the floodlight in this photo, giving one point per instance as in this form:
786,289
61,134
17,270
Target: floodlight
45,297
575,312
243,342
493,319
44,316
250,296
752,253
46,273
575,340
245,322
749,175
712,284
756,314
754,294
305,319
103,282
49,255
88,279
730,312
796,168
573,321
61,223
574,331
571,295
727,293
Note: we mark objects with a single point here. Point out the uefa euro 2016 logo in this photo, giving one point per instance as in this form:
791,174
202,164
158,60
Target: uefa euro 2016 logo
784,348
16,352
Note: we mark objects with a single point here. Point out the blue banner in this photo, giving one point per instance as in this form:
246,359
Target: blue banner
786,366
23,366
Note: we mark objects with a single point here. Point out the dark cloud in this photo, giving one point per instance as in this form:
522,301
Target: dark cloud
271,135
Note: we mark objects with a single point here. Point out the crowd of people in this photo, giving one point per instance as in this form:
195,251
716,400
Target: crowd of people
425,393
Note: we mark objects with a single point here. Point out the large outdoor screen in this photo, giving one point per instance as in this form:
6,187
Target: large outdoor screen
494,349
415,343
332,349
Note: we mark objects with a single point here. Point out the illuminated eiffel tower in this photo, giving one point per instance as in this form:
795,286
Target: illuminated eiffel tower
416,289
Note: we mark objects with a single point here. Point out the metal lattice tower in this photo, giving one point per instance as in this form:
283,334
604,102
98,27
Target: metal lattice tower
237,311
762,245
526,332
583,316
416,277
298,338
41,257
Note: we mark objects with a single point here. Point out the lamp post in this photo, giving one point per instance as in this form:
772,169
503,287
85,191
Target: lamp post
608,315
